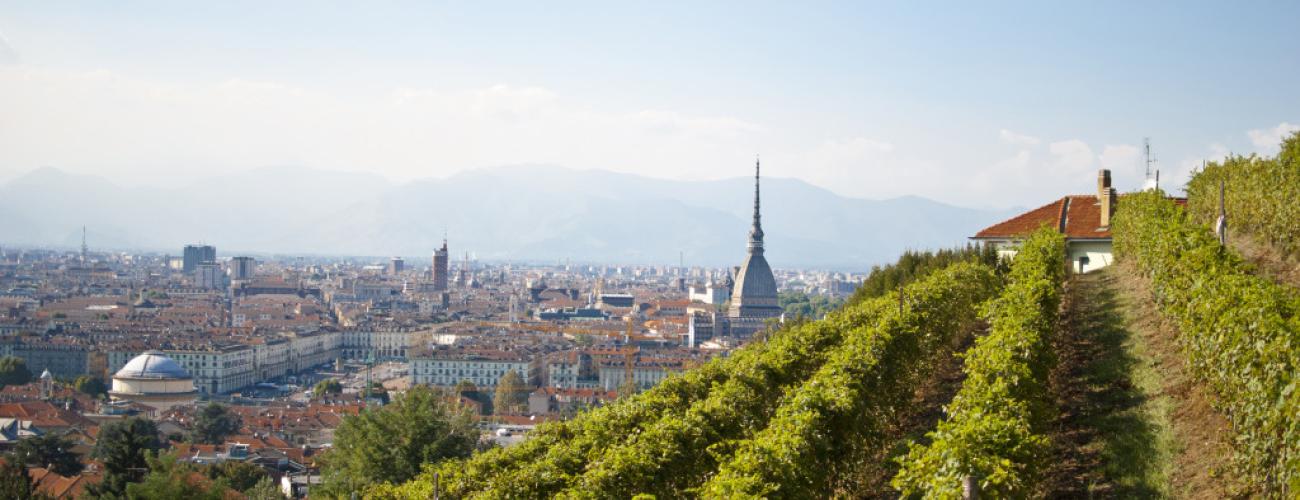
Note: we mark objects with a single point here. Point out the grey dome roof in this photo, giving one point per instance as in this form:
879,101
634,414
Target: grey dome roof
755,280
153,365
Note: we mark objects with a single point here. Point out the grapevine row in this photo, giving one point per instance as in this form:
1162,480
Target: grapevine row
1239,332
1260,195
848,403
994,428
680,451
556,453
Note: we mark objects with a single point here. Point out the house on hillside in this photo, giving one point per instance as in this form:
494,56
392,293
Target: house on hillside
1083,219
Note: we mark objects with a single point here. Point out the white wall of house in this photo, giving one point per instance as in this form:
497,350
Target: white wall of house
1089,256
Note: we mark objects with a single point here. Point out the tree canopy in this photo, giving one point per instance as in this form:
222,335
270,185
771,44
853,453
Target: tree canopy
170,478
511,395
48,450
13,371
213,423
14,482
391,443
124,447
327,386
90,385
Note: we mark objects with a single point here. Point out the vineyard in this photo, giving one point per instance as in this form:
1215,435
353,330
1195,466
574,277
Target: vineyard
734,412
1240,332
1260,195
799,414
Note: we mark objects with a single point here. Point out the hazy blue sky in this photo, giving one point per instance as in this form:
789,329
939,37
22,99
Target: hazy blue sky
976,103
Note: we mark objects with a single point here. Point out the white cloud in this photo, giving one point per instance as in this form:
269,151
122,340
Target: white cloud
1010,137
136,129
1267,141
1071,156
1121,158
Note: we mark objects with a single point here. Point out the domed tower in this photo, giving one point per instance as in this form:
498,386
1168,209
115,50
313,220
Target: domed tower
753,298
155,380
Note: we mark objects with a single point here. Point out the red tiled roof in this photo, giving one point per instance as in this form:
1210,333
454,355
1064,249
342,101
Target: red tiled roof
1023,224
1076,216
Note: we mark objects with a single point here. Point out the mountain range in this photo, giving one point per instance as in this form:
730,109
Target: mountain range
522,213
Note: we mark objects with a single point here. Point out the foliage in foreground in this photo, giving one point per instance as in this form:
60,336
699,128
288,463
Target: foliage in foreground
850,402
389,444
995,423
1261,195
1240,332
687,418
124,448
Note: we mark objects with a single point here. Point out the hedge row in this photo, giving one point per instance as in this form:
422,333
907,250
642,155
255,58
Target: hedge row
1240,333
679,452
1260,195
730,394
994,427
849,403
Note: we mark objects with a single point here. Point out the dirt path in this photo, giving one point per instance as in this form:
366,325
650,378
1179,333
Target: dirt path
1133,424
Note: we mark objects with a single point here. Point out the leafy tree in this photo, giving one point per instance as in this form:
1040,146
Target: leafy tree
265,489
89,385
468,390
327,386
51,451
123,447
628,388
14,481
511,395
389,444
801,305
170,478
377,389
239,475
213,423
13,371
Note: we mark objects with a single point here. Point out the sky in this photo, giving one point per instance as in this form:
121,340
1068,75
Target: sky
980,104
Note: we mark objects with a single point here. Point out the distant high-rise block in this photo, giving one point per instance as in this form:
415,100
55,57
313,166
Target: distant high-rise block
440,267
242,268
197,254
208,275
396,266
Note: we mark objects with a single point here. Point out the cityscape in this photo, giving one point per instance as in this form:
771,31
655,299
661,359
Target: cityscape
424,250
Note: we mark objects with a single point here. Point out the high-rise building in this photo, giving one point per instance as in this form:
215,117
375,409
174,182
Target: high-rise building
753,298
197,254
396,265
208,275
440,267
242,268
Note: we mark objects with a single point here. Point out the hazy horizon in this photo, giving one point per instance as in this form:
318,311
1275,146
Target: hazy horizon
971,105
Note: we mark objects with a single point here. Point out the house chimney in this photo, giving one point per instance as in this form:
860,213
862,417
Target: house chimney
1107,201
1106,197
1103,183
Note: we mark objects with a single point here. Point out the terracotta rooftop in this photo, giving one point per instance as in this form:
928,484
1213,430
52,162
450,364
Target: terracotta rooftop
1076,216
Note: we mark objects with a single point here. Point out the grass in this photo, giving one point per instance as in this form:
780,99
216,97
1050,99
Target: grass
1114,438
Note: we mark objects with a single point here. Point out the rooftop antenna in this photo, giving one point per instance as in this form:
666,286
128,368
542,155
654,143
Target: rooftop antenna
1146,144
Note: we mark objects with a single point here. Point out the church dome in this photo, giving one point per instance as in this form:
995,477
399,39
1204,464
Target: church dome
755,280
152,365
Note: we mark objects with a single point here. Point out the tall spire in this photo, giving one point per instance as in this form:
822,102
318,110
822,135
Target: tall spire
756,232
